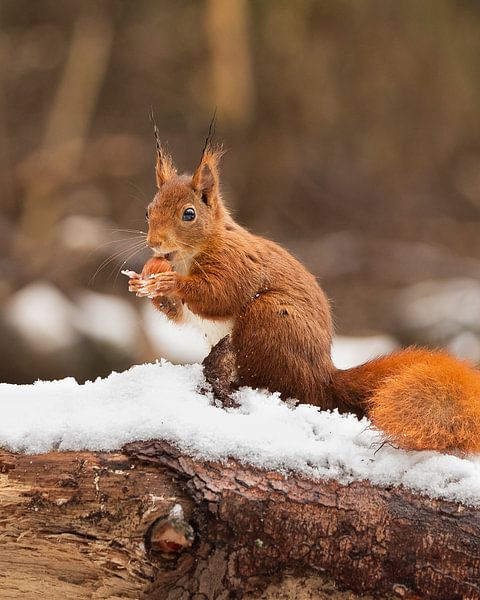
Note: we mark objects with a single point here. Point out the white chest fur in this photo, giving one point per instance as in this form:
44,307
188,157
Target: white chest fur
212,330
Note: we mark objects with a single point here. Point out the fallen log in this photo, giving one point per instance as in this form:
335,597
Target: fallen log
74,524
100,525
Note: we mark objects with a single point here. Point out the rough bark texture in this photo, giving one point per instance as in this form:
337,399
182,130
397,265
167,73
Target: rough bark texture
82,525
73,525
253,525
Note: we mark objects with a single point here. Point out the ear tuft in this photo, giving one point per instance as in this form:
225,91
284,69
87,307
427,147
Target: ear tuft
205,180
164,168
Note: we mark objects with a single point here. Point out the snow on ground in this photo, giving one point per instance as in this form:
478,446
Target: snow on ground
165,401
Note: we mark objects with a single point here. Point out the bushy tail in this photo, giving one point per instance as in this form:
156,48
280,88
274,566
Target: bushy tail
420,400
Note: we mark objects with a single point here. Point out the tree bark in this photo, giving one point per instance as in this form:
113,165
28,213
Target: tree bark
99,525
73,524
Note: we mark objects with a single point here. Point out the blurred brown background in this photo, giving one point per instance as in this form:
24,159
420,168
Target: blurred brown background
353,137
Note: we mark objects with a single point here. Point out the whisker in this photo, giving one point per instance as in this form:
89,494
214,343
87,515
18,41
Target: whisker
119,241
109,243
106,263
126,260
187,244
116,255
185,264
193,258
143,195
132,251
199,266
128,231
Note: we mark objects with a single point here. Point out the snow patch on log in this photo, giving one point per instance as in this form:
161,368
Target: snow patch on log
169,402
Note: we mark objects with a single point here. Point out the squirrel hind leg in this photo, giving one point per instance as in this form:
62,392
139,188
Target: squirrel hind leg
219,368
433,404
280,350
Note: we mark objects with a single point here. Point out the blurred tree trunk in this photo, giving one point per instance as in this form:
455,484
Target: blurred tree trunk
232,85
57,160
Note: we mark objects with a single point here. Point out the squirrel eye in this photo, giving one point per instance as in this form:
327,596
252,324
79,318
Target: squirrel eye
146,214
188,214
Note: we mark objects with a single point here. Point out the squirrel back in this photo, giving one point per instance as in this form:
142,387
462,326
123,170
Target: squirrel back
281,321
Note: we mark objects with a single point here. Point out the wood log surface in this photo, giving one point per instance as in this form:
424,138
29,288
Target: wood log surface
90,525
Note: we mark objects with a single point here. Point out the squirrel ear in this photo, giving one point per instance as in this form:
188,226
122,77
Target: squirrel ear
205,180
164,168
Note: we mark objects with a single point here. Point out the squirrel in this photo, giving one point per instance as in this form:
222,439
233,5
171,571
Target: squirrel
279,324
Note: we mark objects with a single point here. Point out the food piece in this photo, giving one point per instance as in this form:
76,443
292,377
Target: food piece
141,284
155,265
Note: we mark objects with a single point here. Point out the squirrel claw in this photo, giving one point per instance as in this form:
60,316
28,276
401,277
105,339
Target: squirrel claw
130,274
161,283
158,284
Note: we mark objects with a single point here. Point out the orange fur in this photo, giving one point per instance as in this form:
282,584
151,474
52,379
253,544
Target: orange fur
169,306
418,398
433,403
282,327
155,265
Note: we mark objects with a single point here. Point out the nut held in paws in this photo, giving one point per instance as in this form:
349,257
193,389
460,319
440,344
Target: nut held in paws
154,265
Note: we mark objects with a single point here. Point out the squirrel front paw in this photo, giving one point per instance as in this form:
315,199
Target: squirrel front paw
158,284
135,281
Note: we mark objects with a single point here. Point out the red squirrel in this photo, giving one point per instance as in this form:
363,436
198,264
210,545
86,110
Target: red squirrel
279,322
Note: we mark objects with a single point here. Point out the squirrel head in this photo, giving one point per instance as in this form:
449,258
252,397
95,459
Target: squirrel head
186,210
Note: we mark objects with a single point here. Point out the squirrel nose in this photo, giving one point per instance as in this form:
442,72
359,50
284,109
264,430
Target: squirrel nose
154,243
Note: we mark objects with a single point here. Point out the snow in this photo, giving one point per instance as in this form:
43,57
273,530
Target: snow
444,313
178,343
42,315
166,401
176,512
446,306
107,318
49,322
349,351
466,346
